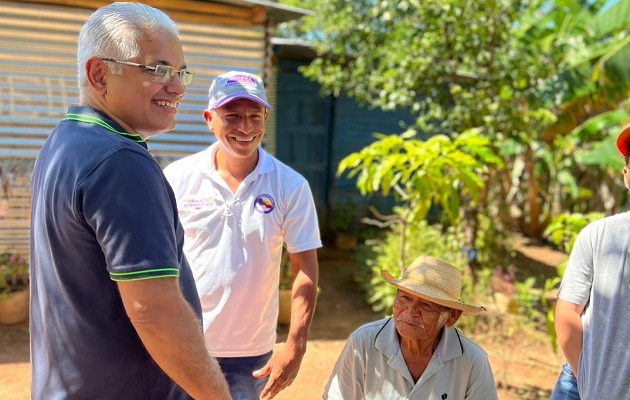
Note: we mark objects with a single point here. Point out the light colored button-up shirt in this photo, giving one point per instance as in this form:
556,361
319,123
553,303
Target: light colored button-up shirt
371,366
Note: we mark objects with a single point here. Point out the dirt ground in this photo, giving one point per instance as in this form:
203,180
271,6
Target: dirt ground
524,365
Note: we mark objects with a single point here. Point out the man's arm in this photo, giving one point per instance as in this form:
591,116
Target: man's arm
285,364
569,330
172,335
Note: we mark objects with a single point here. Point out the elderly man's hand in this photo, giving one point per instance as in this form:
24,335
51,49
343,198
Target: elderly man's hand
282,369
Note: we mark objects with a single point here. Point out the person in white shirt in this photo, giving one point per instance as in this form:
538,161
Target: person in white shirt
417,353
239,206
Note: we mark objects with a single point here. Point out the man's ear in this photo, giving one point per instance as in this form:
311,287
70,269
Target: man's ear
207,115
95,71
454,317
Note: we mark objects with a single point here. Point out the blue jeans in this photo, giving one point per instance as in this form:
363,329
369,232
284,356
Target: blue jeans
238,373
566,386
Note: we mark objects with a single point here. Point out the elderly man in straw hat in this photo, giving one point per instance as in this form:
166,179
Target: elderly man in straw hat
416,353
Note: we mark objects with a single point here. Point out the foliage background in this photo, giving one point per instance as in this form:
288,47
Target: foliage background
534,91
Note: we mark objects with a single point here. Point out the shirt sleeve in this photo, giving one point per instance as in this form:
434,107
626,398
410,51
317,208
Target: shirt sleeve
578,276
482,386
347,379
301,227
130,207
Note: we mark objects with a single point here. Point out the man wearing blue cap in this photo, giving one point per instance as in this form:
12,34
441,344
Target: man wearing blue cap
238,206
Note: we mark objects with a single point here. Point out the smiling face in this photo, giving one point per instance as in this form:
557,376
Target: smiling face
418,320
239,127
139,100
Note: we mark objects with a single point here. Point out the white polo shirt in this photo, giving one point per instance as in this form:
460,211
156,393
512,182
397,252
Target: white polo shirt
371,367
234,245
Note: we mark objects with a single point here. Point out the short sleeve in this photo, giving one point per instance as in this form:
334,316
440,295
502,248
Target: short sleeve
482,385
130,207
301,227
348,375
578,276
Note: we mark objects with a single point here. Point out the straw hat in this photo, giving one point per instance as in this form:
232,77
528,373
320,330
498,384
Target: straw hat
433,280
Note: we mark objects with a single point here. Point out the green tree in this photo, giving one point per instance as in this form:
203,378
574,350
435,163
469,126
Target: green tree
523,73
422,173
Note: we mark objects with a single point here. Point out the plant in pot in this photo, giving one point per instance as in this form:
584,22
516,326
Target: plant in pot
14,280
284,289
344,223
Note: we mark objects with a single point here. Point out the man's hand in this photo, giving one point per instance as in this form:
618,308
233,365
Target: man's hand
282,370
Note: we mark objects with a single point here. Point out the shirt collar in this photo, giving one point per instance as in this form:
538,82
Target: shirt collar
450,345
449,348
89,115
264,165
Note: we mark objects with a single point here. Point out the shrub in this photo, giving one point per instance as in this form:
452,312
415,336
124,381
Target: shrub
13,272
386,253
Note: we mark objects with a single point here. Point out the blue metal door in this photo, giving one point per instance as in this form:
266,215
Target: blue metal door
303,132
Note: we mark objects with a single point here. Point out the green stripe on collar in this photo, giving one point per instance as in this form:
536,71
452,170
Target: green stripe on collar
89,119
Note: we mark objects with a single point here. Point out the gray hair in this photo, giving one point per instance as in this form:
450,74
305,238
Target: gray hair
113,32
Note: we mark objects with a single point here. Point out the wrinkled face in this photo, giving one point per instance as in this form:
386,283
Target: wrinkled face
142,101
239,127
418,319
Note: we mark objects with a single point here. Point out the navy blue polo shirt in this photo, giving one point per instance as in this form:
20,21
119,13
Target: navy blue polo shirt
102,212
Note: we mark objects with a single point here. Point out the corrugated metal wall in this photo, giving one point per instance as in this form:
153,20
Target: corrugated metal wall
38,81
38,78
15,192
38,74
270,78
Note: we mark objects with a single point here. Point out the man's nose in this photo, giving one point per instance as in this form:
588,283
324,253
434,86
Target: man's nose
246,125
175,85
413,310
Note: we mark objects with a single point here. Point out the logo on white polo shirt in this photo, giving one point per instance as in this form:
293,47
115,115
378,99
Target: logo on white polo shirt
197,204
264,204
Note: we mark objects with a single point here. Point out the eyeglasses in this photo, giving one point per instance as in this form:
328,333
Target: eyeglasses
164,73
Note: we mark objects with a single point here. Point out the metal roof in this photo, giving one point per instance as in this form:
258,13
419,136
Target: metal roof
293,48
279,12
